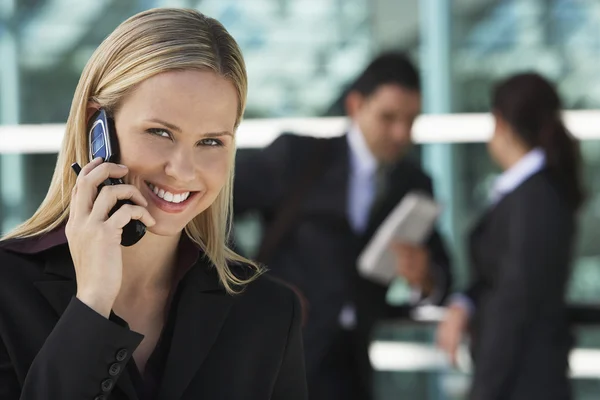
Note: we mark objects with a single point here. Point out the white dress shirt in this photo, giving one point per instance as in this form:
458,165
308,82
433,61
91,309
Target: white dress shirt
529,165
361,194
532,163
361,189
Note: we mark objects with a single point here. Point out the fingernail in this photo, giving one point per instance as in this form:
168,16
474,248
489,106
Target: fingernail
97,158
122,166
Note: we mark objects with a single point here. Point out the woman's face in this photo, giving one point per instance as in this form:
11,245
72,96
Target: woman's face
175,134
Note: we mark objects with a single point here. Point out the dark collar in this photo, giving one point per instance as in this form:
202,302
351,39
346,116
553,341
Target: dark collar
36,244
53,247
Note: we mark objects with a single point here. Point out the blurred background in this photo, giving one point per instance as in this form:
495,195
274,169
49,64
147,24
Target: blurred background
300,55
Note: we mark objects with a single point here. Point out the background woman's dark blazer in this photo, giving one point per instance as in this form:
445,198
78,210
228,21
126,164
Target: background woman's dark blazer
223,347
521,253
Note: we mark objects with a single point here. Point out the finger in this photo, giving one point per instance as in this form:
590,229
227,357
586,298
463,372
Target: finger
394,247
81,202
102,172
399,246
407,265
452,340
126,213
108,197
401,268
439,336
445,343
72,203
90,166
453,355
87,185
404,246
407,273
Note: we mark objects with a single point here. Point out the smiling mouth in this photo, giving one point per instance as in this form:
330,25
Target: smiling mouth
169,197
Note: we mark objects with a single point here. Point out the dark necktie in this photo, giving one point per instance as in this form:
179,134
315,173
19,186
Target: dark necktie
381,188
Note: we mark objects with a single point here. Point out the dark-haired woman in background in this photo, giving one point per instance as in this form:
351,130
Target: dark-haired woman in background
521,252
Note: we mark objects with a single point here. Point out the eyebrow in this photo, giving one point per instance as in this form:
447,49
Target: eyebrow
178,129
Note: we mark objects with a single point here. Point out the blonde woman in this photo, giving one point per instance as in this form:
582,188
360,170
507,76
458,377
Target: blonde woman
177,315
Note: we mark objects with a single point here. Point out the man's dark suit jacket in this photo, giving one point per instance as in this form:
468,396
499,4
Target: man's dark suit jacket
521,254
52,346
319,254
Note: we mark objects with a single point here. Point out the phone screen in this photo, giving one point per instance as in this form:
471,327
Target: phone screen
100,138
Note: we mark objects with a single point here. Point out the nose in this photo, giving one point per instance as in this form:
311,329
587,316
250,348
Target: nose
180,166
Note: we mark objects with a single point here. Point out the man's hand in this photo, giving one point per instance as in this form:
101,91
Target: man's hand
413,265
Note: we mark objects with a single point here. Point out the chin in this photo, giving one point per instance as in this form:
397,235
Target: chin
164,229
391,158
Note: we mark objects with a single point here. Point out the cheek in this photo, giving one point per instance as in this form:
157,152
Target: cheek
135,151
492,145
372,129
214,166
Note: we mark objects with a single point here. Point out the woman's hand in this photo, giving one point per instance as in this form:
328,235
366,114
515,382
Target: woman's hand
94,238
451,331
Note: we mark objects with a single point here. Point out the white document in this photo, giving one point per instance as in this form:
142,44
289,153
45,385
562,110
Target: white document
411,222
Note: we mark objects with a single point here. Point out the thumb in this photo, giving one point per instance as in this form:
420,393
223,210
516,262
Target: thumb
454,355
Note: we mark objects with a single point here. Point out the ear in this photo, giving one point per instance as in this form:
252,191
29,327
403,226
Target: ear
502,127
90,110
353,102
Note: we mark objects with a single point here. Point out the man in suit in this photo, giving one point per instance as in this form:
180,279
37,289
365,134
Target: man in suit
356,180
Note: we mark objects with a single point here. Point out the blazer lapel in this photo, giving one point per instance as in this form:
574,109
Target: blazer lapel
481,222
60,291
201,310
328,195
60,285
487,215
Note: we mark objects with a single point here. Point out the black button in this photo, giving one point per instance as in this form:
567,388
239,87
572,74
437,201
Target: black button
107,385
122,354
114,369
101,397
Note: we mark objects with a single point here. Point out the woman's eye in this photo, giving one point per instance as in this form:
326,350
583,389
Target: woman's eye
211,142
159,132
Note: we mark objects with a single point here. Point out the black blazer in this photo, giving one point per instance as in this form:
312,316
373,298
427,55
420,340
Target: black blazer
53,346
521,254
319,254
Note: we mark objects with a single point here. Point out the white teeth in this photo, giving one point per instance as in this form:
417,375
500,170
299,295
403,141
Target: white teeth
168,196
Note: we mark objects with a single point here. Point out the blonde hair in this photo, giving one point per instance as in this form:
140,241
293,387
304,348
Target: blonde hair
149,43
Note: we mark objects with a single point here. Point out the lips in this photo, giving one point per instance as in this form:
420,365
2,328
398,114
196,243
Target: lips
167,195
166,203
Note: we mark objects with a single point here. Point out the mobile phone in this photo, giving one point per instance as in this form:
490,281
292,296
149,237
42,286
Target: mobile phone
103,143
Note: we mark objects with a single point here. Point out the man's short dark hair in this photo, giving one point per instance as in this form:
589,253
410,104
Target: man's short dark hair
388,68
